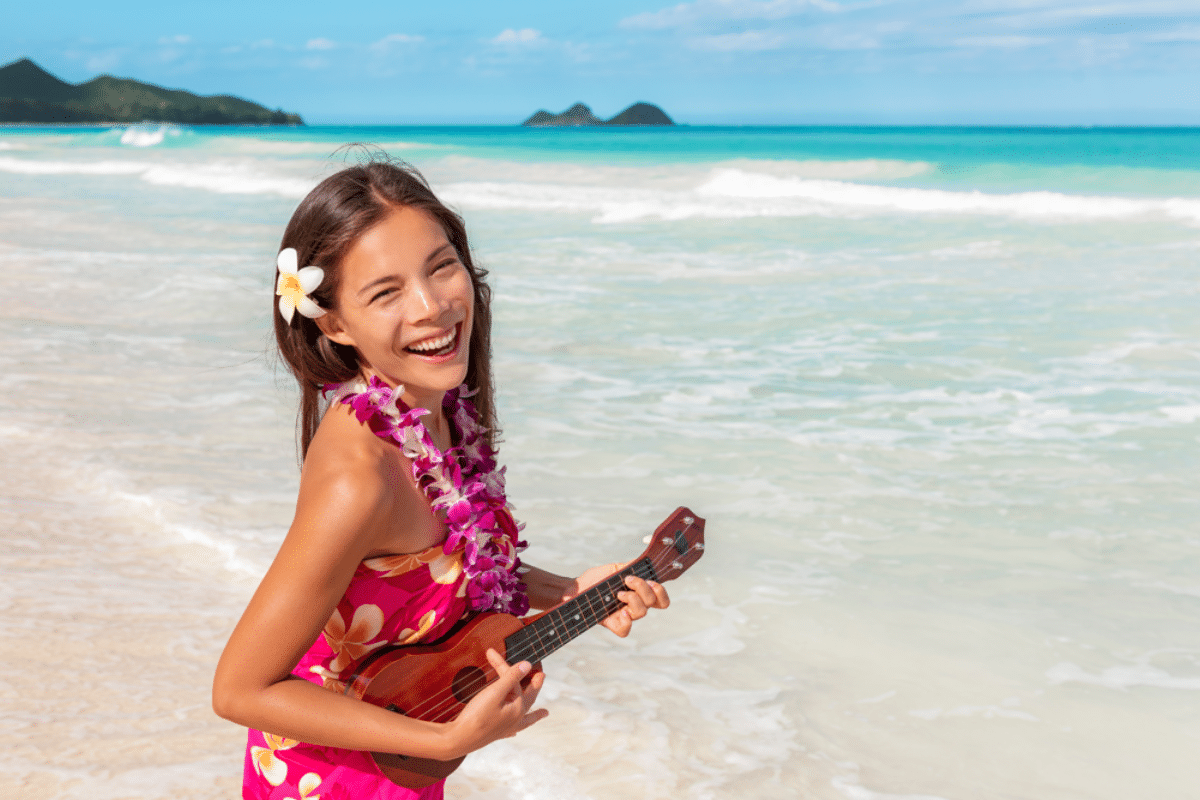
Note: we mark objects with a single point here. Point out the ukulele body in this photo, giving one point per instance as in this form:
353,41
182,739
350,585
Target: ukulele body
432,683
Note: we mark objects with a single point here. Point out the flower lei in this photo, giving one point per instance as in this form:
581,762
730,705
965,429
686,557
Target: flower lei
464,484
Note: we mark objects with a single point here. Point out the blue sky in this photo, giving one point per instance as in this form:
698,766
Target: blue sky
704,61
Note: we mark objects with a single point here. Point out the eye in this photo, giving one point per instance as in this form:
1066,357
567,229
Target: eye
382,293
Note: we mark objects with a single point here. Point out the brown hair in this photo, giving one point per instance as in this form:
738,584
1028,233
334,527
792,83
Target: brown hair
323,228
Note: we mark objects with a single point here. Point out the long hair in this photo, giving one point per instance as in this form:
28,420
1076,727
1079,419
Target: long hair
323,228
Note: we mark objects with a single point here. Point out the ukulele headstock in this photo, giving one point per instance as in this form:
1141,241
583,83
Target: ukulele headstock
677,544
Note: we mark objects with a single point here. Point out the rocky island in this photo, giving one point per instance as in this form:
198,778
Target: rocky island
30,94
579,115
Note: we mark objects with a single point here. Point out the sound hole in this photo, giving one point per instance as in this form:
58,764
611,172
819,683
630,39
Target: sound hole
467,683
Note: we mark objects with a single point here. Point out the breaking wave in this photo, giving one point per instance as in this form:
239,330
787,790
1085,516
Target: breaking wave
726,193
219,176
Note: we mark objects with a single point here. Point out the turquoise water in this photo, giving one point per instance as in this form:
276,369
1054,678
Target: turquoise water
936,390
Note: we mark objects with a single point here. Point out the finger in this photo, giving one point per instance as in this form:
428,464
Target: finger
529,719
530,689
534,682
645,591
653,594
496,660
529,692
634,606
508,677
619,623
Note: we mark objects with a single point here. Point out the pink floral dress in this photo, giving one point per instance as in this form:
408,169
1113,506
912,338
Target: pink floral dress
392,600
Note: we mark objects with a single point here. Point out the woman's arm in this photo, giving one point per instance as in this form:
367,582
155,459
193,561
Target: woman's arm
339,516
547,590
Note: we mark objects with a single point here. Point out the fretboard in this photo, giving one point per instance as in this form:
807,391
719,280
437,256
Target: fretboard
563,623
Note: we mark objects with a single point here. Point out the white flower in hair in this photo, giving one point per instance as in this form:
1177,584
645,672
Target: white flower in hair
295,285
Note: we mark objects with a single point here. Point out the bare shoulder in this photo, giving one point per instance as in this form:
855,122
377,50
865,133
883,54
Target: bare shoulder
357,485
344,484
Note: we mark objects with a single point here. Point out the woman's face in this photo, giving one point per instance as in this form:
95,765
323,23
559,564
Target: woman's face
405,304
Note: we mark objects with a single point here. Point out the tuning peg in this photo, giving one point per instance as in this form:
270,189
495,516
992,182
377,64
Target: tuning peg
648,539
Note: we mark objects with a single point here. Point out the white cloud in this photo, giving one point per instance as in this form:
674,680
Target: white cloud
320,44
1008,42
397,38
1060,9
748,41
103,62
522,36
1183,34
667,18
851,40
182,38
983,34
1054,16
700,11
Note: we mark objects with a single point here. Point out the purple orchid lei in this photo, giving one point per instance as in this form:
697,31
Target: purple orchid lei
464,486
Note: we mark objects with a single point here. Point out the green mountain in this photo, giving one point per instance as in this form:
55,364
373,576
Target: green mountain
580,115
641,114
30,94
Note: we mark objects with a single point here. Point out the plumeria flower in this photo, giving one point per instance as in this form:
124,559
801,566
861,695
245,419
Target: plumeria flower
308,784
354,642
295,285
269,765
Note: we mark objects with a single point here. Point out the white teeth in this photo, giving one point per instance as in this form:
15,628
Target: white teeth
434,344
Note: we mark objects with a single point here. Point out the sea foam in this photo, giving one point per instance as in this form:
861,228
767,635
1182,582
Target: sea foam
217,176
727,193
729,183
147,135
1122,677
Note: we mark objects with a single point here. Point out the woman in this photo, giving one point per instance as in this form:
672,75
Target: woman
401,525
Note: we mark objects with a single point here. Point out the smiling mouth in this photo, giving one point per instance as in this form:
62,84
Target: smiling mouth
437,346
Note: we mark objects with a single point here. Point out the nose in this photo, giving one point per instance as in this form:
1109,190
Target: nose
426,302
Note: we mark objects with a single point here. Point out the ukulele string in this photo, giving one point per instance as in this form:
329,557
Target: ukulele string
595,611
444,701
449,706
443,706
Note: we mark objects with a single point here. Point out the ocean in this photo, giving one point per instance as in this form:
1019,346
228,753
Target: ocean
935,390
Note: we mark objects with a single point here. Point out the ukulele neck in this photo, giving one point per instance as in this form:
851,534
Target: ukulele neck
542,636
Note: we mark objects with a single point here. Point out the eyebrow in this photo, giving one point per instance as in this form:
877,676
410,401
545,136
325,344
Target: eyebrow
436,254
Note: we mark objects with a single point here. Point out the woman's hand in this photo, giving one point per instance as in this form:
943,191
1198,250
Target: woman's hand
639,598
500,710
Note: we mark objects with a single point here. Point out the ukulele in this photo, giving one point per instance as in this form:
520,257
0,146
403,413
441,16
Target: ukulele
433,682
